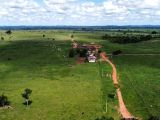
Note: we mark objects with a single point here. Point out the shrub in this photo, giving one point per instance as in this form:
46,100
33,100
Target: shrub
154,118
154,32
117,52
72,36
4,101
71,53
104,118
2,38
83,53
106,36
111,95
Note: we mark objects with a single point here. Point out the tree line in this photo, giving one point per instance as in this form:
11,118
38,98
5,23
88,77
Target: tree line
124,39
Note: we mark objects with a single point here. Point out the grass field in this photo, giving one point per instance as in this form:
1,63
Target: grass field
140,80
63,90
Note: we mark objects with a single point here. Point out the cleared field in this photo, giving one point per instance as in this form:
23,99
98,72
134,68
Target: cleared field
63,90
140,80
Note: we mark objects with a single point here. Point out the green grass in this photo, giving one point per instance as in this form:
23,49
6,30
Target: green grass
80,92
139,81
59,91
110,105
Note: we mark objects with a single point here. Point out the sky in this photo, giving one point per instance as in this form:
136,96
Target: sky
79,12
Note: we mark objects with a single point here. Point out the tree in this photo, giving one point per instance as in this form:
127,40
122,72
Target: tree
2,38
9,32
106,36
154,32
44,35
72,36
4,101
26,96
71,53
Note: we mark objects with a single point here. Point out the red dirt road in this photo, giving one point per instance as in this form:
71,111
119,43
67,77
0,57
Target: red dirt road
123,110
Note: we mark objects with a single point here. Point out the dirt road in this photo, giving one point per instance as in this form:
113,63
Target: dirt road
123,110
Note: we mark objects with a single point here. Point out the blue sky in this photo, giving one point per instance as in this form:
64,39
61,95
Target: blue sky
80,12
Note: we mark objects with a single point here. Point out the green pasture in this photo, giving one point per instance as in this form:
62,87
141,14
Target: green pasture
63,90
139,78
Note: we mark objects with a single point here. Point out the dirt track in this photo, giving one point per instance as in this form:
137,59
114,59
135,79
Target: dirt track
123,110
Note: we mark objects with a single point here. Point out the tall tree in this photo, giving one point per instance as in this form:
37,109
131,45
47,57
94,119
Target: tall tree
26,96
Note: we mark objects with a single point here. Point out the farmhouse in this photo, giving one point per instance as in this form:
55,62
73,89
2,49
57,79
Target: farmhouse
90,51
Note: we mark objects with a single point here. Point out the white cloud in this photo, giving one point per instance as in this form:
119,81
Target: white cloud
151,3
76,12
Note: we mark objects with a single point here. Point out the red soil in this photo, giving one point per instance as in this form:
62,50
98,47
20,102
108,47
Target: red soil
123,110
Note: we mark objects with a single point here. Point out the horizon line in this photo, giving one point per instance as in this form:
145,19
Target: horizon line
75,25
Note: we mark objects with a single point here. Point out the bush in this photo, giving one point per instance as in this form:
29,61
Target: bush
154,32
72,36
4,101
2,38
104,118
154,118
71,53
117,52
111,95
83,53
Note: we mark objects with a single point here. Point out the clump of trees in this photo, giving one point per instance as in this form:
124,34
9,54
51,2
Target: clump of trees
4,101
26,96
83,53
127,39
80,52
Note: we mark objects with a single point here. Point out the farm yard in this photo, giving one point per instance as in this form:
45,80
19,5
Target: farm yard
64,90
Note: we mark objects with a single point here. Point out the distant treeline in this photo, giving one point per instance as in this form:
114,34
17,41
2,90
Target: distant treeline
83,28
127,39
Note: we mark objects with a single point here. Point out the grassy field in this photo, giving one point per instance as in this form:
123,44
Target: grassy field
139,81
63,90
